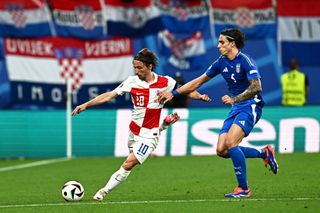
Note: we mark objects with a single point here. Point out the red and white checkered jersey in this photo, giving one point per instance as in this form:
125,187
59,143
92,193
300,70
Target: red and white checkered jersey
145,118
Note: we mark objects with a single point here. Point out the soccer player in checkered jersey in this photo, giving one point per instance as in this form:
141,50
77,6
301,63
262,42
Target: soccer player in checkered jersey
144,132
243,80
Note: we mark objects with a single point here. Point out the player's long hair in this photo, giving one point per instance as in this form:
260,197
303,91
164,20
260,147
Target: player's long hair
147,57
234,35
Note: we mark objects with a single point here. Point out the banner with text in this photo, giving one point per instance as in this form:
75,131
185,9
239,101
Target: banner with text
181,16
80,19
299,31
287,129
182,43
37,69
257,19
25,18
132,18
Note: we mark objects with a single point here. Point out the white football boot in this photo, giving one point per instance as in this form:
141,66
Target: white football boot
99,195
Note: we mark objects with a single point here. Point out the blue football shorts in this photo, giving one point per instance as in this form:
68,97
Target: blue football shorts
245,117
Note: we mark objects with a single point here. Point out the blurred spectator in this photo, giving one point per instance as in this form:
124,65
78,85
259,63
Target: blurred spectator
295,86
179,101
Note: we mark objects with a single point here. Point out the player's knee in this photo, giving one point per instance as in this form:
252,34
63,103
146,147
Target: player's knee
129,164
222,153
230,142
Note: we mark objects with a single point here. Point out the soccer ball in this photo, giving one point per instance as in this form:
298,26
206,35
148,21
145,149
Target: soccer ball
72,191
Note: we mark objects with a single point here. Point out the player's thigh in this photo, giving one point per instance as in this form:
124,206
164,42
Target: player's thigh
226,125
245,120
142,147
230,139
221,148
248,117
234,136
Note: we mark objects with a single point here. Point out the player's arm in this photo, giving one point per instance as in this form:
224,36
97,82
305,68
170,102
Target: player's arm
193,85
100,99
187,88
253,89
196,95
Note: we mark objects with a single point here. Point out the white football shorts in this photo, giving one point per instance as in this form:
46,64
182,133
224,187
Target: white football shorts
141,147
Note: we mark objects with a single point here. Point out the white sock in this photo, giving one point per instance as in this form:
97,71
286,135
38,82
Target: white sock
117,178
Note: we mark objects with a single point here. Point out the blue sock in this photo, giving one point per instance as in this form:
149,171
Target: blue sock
239,165
250,152
263,154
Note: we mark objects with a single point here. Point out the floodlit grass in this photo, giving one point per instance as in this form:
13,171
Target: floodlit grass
164,184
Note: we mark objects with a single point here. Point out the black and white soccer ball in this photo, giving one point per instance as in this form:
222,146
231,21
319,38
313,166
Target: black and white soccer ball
72,191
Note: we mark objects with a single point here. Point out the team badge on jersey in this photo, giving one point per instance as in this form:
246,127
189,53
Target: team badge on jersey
238,68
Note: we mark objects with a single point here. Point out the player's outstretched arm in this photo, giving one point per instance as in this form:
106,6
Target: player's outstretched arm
169,120
187,88
196,95
100,99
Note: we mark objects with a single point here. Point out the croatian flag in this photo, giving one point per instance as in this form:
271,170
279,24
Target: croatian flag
299,31
183,16
257,19
37,69
132,18
81,19
183,52
25,18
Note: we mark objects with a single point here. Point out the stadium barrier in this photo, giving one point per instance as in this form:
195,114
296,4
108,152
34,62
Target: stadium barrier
42,134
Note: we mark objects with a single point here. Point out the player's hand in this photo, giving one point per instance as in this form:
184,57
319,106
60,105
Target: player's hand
164,97
79,109
226,99
205,97
171,119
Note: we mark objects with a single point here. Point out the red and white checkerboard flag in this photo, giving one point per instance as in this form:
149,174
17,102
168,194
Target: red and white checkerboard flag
17,14
244,17
86,15
70,63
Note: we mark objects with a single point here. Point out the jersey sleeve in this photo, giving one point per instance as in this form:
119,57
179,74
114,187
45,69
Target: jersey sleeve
171,84
250,67
213,70
124,87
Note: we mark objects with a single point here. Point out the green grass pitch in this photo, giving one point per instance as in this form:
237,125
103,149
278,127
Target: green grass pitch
164,184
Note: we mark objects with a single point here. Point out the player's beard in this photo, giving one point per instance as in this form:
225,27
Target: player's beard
141,76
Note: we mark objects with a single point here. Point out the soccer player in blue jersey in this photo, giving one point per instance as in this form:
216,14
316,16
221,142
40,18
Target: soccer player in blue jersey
243,80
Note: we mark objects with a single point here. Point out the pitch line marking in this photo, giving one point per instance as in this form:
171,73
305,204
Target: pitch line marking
33,164
158,201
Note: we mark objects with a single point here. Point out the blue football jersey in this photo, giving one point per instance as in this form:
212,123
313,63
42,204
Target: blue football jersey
236,72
